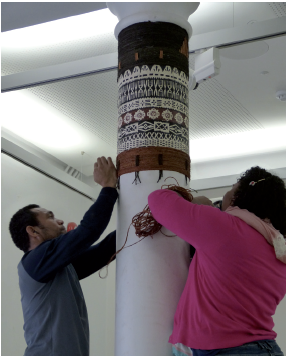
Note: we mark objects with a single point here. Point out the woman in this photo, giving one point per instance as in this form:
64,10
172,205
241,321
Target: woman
237,276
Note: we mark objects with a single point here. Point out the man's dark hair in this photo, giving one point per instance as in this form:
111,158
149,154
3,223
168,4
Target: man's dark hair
17,227
265,199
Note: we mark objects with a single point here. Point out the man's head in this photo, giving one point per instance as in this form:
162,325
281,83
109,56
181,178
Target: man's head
32,225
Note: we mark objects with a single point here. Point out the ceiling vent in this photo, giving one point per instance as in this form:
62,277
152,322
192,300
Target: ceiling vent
73,172
279,8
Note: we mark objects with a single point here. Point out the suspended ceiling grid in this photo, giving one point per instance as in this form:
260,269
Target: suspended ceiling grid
217,107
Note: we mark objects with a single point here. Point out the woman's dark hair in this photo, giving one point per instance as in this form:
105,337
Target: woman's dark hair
266,199
17,227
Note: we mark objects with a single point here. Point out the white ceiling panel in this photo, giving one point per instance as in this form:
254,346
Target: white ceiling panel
213,16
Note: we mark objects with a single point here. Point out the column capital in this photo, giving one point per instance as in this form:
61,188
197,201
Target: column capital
129,13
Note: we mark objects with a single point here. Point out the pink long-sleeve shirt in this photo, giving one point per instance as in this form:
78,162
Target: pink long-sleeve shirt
234,283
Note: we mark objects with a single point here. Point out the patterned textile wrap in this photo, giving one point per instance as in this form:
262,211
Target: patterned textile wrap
153,109
273,236
153,88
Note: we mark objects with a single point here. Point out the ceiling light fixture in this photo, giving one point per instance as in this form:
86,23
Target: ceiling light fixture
238,144
42,126
62,30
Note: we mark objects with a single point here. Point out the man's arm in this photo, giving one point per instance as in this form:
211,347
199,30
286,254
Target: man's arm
48,258
96,257
43,262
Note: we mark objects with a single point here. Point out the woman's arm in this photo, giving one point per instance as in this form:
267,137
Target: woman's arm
196,224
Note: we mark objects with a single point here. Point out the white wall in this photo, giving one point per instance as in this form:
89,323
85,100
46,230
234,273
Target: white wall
21,186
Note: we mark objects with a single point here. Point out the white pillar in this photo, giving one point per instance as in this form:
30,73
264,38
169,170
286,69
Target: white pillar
150,275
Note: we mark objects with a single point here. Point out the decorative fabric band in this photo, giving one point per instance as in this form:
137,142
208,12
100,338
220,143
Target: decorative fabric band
152,139
159,114
146,43
155,72
159,117
153,88
153,158
153,102
154,126
153,133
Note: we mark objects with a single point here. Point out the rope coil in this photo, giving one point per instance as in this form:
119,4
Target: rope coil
146,225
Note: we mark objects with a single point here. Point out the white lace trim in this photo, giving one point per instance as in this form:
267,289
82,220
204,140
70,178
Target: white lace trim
150,102
156,71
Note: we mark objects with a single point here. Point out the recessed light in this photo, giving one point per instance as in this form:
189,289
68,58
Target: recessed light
264,72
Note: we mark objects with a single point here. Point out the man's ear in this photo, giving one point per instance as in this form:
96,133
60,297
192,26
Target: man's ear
31,231
34,237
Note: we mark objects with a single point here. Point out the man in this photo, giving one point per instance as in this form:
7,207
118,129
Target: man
54,309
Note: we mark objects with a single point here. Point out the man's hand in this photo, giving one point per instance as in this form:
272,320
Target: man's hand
202,200
105,172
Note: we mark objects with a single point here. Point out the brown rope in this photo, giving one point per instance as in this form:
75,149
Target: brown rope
145,224
147,158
